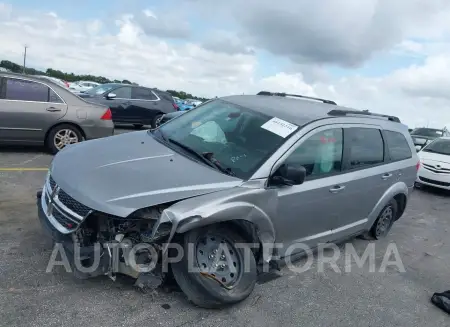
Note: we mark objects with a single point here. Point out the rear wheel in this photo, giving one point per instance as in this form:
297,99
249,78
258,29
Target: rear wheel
384,222
62,135
217,273
156,121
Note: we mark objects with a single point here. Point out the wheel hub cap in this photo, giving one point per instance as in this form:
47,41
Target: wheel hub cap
385,221
65,137
218,257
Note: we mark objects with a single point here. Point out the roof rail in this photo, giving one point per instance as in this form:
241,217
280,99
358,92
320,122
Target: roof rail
342,112
278,94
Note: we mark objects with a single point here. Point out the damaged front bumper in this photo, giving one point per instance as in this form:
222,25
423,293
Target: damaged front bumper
107,258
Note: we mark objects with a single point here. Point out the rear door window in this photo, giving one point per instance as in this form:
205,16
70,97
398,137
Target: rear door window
398,146
22,90
140,93
365,147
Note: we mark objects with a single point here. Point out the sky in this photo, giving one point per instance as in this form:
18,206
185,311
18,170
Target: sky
387,56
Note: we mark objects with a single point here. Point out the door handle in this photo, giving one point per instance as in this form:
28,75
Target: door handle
386,176
337,188
53,109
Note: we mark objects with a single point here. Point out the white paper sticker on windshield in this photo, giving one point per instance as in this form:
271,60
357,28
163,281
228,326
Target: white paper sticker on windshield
279,127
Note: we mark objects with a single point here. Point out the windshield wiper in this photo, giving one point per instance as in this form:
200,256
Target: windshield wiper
203,157
210,157
192,151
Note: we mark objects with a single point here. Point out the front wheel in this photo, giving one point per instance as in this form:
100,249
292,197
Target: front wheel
218,268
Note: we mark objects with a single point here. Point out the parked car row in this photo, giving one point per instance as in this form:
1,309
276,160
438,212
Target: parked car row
82,86
187,104
39,110
424,135
262,169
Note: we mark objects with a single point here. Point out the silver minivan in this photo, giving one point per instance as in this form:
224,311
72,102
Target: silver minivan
216,195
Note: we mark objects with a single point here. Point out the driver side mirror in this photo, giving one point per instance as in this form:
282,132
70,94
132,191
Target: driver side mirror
289,174
418,148
111,95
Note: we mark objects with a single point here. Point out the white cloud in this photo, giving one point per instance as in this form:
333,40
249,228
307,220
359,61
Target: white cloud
418,94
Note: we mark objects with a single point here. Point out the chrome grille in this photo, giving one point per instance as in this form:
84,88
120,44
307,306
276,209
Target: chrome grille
64,221
436,169
52,183
63,211
73,204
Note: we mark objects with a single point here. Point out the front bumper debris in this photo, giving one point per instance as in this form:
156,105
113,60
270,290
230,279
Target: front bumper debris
108,264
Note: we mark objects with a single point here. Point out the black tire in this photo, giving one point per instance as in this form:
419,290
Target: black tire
375,231
155,120
50,140
206,292
417,185
138,126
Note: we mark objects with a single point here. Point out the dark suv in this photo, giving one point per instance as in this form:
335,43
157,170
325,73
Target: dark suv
132,104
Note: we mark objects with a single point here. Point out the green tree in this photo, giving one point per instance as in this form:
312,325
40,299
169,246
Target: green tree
72,77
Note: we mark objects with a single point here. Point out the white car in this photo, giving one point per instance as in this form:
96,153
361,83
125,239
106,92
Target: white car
82,86
434,167
54,80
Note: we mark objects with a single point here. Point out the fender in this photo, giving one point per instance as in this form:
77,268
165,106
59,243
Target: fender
224,206
391,192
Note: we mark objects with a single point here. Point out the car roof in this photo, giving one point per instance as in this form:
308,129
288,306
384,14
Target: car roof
36,78
299,111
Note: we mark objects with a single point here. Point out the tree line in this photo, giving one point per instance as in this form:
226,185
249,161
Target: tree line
71,77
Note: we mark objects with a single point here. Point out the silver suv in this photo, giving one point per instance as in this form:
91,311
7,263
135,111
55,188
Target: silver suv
206,196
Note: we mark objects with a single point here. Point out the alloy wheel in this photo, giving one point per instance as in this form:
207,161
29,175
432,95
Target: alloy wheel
65,137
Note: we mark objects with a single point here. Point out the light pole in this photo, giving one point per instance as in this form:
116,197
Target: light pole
24,58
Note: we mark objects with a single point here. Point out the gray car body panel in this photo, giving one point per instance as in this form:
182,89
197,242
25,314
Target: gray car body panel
284,214
28,122
308,213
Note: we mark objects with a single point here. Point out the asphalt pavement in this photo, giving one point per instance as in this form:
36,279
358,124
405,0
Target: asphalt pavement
29,296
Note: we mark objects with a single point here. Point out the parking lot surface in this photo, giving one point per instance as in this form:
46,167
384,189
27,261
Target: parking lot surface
31,297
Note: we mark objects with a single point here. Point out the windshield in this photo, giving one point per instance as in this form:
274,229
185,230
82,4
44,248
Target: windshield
441,146
427,132
240,139
100,89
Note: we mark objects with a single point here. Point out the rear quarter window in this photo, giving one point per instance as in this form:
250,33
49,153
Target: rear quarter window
165,96
365,147
399,148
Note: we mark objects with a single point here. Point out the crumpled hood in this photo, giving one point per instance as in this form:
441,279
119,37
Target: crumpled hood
123,173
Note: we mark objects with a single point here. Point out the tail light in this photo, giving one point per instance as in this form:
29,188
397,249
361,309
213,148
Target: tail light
418,165
107,115
175,106
67,84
